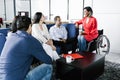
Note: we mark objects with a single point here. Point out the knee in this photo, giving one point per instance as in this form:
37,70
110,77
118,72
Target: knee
82,37
78,37
48,67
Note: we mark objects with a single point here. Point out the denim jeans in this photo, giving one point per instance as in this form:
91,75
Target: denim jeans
81,43
41,72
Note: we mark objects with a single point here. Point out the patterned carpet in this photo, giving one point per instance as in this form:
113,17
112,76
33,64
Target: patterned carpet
112,72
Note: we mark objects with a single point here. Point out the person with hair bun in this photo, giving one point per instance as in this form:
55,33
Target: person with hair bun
90,32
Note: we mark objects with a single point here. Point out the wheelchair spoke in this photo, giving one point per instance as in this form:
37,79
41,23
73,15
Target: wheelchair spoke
103,45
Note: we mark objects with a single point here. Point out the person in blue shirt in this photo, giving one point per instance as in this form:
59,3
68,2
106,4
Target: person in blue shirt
18,52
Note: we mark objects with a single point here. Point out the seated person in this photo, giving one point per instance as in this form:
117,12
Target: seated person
59,35
18,52
90,32
40,32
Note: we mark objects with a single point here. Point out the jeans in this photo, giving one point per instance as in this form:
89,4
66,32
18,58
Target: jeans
81,43
41,72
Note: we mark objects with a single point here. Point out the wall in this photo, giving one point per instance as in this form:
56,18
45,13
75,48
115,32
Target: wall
107,13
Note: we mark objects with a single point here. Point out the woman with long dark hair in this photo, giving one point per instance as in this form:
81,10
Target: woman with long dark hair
40,32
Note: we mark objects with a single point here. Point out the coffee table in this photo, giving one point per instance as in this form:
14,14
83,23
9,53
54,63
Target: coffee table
88,68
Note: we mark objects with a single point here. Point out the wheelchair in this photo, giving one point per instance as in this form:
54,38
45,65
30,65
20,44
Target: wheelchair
101,44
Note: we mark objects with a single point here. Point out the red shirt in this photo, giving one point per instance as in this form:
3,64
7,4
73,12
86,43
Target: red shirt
90,28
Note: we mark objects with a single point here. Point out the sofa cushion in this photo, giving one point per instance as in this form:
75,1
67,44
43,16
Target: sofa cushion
2,41
4,31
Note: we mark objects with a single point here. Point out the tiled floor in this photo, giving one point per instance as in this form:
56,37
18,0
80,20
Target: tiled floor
113,57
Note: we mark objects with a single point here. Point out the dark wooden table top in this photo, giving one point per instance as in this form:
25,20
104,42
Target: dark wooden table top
88,59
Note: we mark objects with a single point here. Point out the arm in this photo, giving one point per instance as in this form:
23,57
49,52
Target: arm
38,52
65,33
77,23
37,34
46,31
50,42
53,34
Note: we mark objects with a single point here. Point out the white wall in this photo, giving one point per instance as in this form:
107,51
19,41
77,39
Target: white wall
107,13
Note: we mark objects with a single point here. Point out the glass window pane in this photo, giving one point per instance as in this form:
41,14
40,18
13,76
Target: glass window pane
23,6
59,8
9,10
40,6
75,10
2,9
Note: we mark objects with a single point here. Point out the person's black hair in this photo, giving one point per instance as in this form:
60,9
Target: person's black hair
55,19
88,8
20,23
37,17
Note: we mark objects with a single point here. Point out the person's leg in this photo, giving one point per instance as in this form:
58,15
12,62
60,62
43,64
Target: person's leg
62,46
41,72
57,43
81,43
73,42
53,54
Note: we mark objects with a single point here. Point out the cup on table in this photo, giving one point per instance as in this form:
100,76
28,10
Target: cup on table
69,52
69,59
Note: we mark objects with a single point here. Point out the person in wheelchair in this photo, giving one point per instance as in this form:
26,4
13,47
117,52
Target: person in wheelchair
89,27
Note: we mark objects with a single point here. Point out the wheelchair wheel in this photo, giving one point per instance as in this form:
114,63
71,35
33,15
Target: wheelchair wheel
103,45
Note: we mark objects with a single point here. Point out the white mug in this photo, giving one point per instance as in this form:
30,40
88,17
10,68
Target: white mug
69,52
69,59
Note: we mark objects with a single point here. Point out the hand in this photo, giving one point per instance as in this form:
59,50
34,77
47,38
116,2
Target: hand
62,40
49,42
77,26
83,33
53,47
